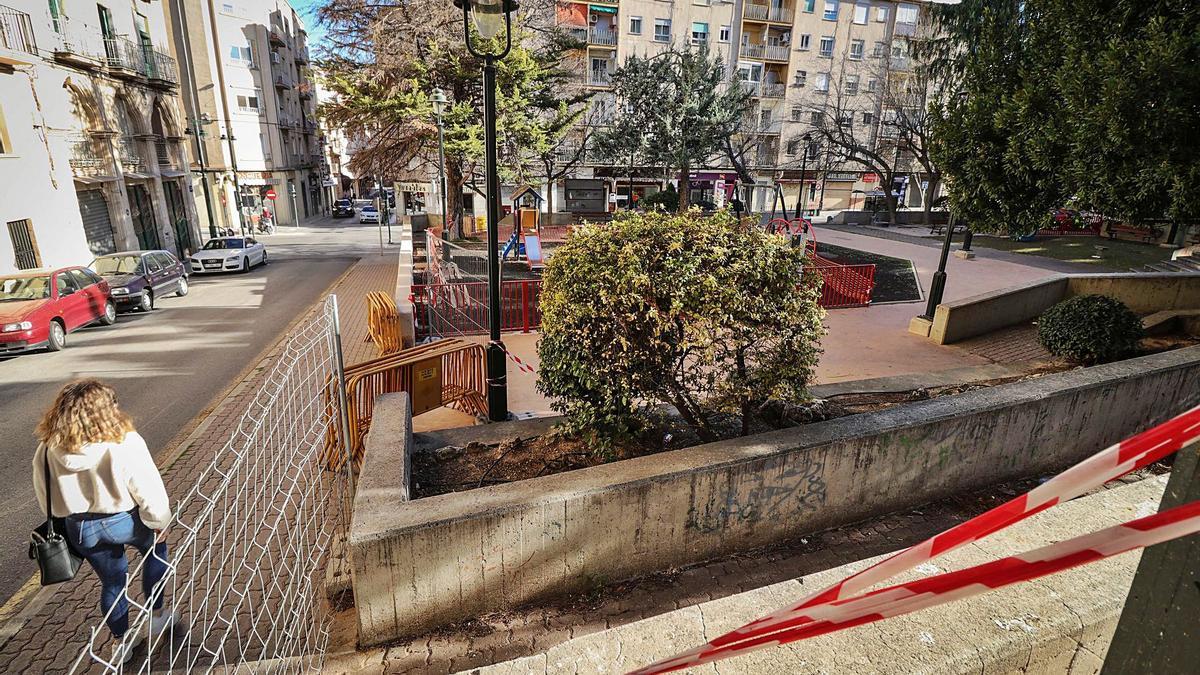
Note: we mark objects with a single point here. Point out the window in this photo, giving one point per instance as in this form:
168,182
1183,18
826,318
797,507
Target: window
846,119
878,51
265,144
868,118
851,85
723,36
809,6
699,32
881,13
861,12
750,72
106,24
800,78
856,49
662,30
244,55
635,25
25,249
805,42
797,113
831,10
906,14
827,46
793,146
899,48
65,284
822,84
812,154
817,118
872,85
249,102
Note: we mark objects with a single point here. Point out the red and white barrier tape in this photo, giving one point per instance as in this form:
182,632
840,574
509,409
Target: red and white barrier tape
826,610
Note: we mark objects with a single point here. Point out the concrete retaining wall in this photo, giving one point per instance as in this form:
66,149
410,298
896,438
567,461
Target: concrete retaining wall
984,313
442,559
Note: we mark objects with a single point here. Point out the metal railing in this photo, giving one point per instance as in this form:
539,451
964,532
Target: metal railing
283,82
161,66
462,308
124,55
16,31
602,36
775,53
843,285
130,152
76,39
162,149
87,157
772,90
753,51
252,542
600,78
757,12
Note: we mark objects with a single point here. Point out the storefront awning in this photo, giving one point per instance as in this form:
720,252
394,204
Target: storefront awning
130,175
94,180
172,173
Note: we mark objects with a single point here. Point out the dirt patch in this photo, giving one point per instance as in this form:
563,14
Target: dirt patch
454,469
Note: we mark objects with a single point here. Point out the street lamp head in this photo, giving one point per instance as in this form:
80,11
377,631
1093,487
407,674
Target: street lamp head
438,99
489,16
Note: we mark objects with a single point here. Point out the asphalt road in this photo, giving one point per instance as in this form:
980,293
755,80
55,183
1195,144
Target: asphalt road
167,366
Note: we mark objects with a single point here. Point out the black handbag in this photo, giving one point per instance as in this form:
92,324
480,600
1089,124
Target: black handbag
56,561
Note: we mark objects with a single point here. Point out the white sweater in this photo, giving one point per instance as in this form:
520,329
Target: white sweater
104,478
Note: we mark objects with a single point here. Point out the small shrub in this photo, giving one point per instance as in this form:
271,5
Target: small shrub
663,200
1090,329
662,308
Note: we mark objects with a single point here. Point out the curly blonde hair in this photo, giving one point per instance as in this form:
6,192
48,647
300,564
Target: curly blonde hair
85,411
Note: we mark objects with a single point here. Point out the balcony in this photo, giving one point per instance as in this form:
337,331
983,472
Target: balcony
17,44
600,78
764,13
603,37
772,90
130,152
305,90
161,69
905,29
77,44
776,53
88,158
301,55
166,153
275,35
283,82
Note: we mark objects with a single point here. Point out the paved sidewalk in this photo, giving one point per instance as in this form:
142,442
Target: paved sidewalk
55,625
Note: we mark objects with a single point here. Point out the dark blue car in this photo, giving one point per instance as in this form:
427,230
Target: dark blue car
139,278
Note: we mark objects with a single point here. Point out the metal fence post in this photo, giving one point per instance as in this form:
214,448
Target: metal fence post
525,306
343,408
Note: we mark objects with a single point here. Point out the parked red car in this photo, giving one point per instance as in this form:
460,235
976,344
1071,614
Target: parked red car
39,307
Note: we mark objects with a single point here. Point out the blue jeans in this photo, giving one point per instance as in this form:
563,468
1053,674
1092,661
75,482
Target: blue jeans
102,541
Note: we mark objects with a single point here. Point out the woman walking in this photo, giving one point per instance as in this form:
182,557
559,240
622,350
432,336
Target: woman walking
105,486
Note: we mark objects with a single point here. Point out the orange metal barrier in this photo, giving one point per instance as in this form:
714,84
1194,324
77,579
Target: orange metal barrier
464,386
383,323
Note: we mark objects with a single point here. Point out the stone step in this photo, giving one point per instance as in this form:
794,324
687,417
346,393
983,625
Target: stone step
1058,624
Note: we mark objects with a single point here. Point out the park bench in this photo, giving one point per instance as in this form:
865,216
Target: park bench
939,228
1147,234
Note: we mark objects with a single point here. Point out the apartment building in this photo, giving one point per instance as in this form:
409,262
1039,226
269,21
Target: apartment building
250,101
92,158
793,56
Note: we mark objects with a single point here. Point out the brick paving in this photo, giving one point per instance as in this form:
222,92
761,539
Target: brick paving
1008,345
58,620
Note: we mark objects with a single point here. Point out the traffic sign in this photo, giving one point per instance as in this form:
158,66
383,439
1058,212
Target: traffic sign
270,193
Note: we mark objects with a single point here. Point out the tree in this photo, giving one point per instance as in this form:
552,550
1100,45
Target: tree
702,313
386,58
681,105
1083,101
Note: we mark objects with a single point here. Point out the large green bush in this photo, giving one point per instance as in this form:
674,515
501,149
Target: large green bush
656,308
663,200
1090,329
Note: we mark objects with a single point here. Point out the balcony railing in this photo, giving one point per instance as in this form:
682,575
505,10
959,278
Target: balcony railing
753,51
305,90
163,149
775,53
124,57
772,90
757,12
301,55
130,151
602,36
600,78
283,82
87,157
161,67
77,42
16,31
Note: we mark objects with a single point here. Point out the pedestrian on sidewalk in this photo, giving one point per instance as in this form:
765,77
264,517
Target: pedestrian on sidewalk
110,494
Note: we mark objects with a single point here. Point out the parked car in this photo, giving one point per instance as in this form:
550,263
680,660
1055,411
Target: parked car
343,208
228,254
38,308
369,214
139,278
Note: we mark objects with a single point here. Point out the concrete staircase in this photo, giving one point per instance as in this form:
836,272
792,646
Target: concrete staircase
1183,264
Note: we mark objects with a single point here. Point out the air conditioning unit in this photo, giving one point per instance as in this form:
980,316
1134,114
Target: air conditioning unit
593,19
276,59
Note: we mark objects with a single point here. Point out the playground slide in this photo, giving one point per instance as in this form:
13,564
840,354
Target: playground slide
533,252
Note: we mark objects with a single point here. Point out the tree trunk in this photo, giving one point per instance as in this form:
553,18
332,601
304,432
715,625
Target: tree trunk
928,201
454,203
684,171
889,198
745,403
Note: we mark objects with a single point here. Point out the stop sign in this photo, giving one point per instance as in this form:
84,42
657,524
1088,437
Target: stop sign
270,194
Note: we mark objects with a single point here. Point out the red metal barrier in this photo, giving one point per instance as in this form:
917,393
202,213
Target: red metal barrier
843,285
462,308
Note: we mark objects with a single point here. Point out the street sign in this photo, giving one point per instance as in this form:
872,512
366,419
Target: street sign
270,193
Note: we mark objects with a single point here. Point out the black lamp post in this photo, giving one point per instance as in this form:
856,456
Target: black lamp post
938,284
438,98
486,15
803,200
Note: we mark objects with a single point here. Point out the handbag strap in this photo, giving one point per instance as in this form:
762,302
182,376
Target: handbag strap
49,513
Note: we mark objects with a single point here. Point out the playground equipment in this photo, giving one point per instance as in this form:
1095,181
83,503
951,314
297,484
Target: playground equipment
525,240
842,285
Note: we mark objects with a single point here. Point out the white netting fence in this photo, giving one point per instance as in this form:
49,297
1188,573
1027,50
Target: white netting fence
250,542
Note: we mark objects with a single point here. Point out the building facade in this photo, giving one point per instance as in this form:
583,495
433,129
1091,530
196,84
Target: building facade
250,103
797,58
92,153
